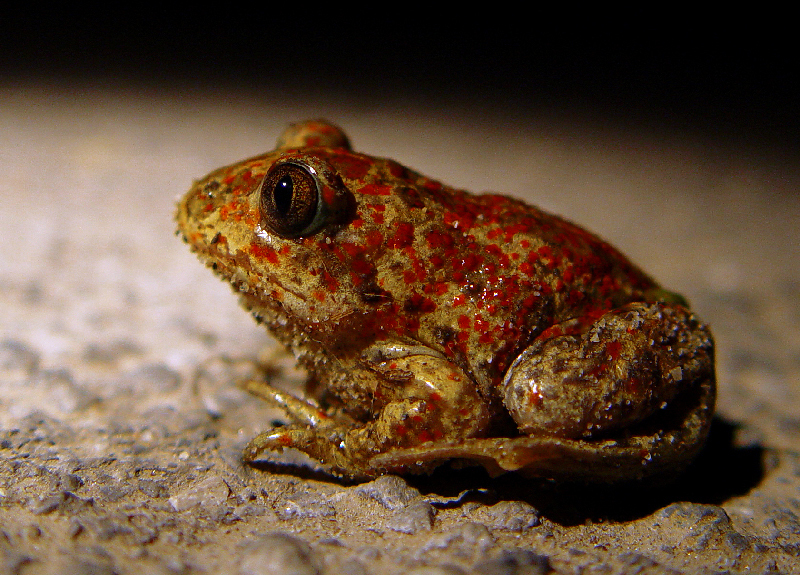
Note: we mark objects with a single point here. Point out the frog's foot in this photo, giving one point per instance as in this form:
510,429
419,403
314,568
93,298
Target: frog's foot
583,381
327,449
314,432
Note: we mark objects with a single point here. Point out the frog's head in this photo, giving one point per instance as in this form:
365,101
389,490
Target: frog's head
300,231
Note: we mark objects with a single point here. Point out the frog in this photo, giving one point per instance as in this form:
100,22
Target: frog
439,326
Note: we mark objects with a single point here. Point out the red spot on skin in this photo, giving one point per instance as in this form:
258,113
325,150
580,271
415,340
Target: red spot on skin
613,348
425,436
460,299
403,236
435,397
350,165
285,439
438,240
331,282
328,195
551,332
374,238
263,252
480,324
463,322
377,218
401,430
351,248
469,263
362,267
510,231
419,303
534,397
598,371
376,190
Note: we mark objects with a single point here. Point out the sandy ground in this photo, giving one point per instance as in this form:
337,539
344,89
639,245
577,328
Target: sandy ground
121,426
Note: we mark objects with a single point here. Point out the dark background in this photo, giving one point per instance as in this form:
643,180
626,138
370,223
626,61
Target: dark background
741,86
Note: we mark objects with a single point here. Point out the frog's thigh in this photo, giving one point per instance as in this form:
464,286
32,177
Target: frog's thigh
433,400
629,363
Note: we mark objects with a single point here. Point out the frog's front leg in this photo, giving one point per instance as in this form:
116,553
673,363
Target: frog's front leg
578,381
313,432
424,398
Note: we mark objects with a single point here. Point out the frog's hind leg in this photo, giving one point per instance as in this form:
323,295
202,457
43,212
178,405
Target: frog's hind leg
585,379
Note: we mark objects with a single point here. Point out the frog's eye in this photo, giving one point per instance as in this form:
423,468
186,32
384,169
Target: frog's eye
291,200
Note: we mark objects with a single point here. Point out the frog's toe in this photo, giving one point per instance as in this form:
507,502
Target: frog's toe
327,449
278,440
299,410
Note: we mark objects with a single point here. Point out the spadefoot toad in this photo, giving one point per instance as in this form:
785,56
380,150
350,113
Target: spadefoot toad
438,325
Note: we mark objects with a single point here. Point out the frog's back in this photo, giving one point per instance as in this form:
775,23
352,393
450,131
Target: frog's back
474,276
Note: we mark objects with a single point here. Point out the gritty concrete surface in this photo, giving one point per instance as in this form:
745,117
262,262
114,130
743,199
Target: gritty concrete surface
121,424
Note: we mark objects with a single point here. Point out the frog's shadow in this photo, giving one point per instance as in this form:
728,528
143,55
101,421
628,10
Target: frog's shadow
721,471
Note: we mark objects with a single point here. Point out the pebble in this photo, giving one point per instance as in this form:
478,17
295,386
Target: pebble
514,562
464,541
415,517
208,492
277,554
514,516
390,491
304,506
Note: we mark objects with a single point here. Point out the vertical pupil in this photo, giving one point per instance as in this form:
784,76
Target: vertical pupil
282,194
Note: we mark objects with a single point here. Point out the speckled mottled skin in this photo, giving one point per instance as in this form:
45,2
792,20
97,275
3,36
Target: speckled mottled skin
443,325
